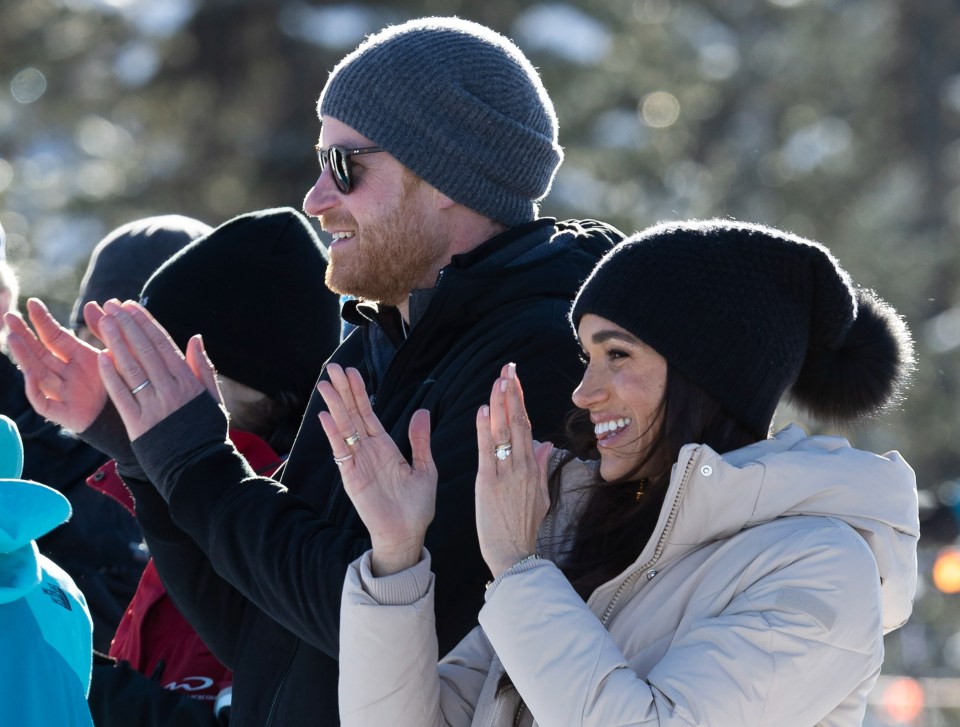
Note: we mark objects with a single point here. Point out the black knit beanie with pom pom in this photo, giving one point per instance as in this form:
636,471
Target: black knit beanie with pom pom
748,312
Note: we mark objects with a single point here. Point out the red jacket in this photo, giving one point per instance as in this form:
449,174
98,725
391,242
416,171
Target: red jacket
153,636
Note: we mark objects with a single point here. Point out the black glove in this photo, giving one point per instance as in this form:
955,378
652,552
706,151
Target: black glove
121,696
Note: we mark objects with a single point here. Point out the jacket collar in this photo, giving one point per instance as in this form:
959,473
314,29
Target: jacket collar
498,251
712,497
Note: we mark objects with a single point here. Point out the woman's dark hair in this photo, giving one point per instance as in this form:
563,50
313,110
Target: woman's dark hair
619,517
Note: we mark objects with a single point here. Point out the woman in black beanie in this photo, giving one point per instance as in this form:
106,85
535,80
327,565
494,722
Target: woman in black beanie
682,566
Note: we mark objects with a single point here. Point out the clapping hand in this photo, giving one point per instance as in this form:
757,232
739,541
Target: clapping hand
61,377
511,492
145,374
394,498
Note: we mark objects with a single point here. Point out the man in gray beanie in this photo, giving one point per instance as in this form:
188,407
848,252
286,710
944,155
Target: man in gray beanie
449,127
457,104
437,143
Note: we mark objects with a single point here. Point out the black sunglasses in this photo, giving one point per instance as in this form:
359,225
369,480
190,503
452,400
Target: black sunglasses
338,158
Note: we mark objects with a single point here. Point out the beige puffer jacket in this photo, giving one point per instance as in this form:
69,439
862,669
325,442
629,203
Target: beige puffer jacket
761,599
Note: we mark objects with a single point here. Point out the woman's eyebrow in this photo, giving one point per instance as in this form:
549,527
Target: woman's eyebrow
601,336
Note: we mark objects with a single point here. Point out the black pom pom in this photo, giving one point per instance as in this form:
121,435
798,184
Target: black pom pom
866,374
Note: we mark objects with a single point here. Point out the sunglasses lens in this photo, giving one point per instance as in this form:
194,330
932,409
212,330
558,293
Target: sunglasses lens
339,166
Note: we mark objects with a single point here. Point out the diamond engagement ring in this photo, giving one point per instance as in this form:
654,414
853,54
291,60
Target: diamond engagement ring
502,451
341,460
352,439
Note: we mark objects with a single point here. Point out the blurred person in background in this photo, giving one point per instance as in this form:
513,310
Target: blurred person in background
123,260
437,143
241,287
101,546
694,569
45,627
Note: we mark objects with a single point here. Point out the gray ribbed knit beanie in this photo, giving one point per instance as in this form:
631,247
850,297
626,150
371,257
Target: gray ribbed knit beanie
460,106
747,312
122,261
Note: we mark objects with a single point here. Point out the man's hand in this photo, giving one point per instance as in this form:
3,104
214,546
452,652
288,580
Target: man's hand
395,499
143,371
60,372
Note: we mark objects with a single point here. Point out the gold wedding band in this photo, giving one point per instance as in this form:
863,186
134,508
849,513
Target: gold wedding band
352,439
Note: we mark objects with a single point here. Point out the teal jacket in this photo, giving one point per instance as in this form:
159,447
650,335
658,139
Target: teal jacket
46,633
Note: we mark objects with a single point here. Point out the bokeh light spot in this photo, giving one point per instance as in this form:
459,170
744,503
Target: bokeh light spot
951,93
943,331
719,60
659,109
547,27
6,174
331,26
136,64
946,571
28,85
903,700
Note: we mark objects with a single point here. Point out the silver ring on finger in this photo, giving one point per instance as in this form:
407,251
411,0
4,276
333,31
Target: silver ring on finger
502,451
353,439
140,387
341,460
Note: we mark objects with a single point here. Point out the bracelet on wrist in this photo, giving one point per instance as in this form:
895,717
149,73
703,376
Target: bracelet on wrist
532,556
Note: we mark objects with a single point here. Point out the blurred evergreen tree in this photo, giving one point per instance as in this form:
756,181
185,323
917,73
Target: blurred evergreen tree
837,119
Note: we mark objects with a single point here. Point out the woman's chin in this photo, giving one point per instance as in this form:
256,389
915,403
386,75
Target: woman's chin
614,468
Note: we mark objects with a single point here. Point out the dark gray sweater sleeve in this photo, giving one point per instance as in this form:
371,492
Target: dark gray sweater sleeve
194,431
109,435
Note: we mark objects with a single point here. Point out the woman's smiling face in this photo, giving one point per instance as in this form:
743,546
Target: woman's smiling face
622,388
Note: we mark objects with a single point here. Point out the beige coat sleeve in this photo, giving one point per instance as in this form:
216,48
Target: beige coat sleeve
389,671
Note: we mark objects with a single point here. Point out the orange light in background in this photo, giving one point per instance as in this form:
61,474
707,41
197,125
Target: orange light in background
903,700
946,571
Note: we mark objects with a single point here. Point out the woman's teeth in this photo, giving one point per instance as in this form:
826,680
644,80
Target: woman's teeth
610,426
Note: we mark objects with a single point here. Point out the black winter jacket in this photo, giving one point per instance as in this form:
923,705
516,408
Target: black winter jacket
258,567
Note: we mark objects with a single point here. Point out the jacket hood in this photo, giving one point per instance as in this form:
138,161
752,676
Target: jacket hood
715,496
28,510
